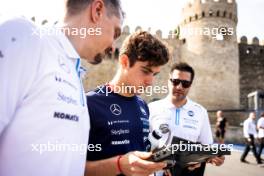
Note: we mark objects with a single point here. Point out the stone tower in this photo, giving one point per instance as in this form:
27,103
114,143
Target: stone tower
208,32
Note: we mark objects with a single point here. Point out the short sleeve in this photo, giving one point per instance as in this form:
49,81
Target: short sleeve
206,136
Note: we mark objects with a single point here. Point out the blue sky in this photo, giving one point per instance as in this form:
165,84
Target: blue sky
156,14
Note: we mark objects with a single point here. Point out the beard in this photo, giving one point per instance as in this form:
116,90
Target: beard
97,59
179,95
100,56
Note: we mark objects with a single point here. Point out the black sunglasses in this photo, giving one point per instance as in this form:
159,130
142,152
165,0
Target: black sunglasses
184,83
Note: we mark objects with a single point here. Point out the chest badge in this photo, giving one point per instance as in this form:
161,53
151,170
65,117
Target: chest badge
115,109
191,113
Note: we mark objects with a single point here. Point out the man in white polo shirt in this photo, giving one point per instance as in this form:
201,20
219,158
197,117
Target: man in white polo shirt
44,123
185,118
250,134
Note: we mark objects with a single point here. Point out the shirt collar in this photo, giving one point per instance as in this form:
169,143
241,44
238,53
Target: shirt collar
66,44
169,104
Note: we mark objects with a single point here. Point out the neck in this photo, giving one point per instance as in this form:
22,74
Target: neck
176,102
70,23
118,83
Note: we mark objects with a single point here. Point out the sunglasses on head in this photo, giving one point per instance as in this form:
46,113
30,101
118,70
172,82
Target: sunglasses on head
184,83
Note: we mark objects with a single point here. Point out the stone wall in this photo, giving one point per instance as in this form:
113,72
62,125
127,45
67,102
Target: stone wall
251,57
215,60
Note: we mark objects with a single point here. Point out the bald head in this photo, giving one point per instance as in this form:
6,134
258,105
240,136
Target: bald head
219,113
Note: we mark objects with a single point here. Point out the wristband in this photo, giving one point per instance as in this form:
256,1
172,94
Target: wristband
118,164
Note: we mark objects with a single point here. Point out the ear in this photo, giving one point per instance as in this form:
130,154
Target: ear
97,10
124,61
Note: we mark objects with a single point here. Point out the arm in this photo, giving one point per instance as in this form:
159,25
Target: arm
245,129
18,65
259,125
102,167
130,164
206,136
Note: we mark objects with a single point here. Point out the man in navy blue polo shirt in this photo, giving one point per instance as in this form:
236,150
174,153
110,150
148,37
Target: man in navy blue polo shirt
119,118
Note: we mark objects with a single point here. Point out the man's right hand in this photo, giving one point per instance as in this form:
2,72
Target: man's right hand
136,164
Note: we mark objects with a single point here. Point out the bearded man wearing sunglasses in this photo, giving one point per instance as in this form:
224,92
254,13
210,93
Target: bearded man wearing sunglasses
183,117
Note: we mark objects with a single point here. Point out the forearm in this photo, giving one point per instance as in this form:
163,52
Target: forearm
261,127
102,167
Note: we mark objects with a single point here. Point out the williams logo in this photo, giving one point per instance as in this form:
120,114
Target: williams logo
61,115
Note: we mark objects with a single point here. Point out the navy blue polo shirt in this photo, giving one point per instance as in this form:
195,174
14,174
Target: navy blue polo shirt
118,124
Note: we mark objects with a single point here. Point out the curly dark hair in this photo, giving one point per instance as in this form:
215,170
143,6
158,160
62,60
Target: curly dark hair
142,46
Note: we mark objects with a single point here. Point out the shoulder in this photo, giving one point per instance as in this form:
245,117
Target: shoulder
197,106
17,24
100,91
157,108
246,121
155,104
140,100
20,36
19,29
261,120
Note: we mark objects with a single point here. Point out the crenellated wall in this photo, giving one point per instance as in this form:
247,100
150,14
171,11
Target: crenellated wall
251,55
200,9
212,53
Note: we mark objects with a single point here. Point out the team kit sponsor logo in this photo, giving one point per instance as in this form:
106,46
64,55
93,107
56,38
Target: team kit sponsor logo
67,99
115,109
123,142
65,116
59,79
117,122
120,132
145,121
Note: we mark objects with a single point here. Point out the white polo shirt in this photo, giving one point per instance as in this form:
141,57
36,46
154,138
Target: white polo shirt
44,123
261,130
249,128
189,122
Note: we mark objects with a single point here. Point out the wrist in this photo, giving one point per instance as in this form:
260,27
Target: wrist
118,164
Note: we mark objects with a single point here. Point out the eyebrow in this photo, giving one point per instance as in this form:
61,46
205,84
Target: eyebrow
149,70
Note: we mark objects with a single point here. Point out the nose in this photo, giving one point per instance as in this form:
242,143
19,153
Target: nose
149,80
179,86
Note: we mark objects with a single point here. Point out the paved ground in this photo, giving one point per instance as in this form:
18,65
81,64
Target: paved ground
233,167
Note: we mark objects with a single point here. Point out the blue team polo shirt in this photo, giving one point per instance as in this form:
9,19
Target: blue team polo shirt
118,124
